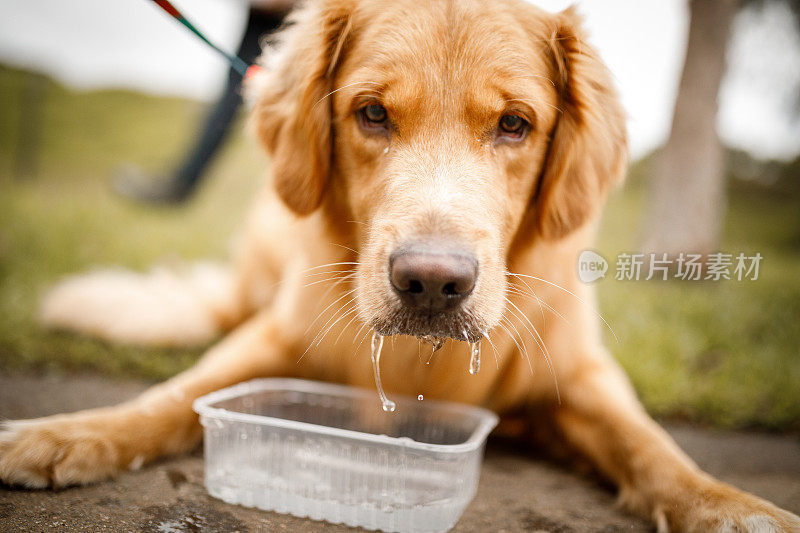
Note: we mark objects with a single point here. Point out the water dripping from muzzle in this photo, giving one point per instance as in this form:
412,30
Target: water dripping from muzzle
377,345
436,342
475,358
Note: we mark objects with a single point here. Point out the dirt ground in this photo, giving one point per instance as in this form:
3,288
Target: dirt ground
517,492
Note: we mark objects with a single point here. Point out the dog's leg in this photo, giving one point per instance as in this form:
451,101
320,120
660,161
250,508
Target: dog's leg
601,417
91,445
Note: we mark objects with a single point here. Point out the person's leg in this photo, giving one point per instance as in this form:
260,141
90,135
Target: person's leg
219,121
215,130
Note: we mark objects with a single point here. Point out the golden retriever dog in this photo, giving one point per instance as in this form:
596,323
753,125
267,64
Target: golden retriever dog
436,168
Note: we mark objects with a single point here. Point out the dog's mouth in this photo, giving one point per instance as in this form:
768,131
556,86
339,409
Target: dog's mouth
433,327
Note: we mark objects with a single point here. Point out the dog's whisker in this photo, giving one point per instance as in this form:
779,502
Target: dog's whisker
302,355
521,285
334,285
520,316
355,316
494,349
542,346
516,330
363,338
541,303
581,300
536,337
363,325
518,290
340,263
340,279
302,274
331,276
334,315
350,270
513,290
522,353
325,295
314,340
521,337
343,246
519,348
336,281
335,273
336,263
326,309
345,313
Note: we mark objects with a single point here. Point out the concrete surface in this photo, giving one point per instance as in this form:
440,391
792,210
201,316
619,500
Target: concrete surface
517,492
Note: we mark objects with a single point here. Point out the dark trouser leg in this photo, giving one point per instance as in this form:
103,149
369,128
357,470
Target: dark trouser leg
219,121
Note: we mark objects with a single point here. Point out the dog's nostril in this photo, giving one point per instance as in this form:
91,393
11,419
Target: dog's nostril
449,289
415,287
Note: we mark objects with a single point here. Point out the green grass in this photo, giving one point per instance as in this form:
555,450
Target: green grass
726,354
66,218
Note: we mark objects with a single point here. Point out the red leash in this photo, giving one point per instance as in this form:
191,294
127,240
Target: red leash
236,62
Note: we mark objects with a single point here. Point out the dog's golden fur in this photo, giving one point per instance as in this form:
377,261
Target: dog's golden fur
311,273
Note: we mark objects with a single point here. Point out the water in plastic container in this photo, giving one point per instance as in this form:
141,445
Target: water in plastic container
328,452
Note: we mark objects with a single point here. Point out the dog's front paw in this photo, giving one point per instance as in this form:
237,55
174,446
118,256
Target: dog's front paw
718,507
55,451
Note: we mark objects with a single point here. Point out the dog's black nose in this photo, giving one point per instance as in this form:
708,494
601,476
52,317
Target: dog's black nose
431,278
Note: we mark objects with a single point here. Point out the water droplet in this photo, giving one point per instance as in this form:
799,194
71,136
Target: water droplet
377,345
420,398
475,358
436,342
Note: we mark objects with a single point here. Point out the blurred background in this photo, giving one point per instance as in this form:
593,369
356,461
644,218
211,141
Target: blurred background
712,87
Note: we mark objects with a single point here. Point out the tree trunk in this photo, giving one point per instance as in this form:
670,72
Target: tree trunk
687,193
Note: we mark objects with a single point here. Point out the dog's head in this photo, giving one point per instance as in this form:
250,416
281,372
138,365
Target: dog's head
448,130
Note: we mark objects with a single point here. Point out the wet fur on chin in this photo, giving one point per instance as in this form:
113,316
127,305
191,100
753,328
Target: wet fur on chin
441,325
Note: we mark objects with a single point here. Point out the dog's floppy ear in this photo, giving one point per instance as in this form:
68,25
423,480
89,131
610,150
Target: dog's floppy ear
588,149
291,115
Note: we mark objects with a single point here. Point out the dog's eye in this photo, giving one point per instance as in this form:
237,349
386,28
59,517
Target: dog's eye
512,126
373,118
375,113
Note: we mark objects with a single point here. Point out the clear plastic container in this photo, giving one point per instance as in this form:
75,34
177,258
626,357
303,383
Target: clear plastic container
329,452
